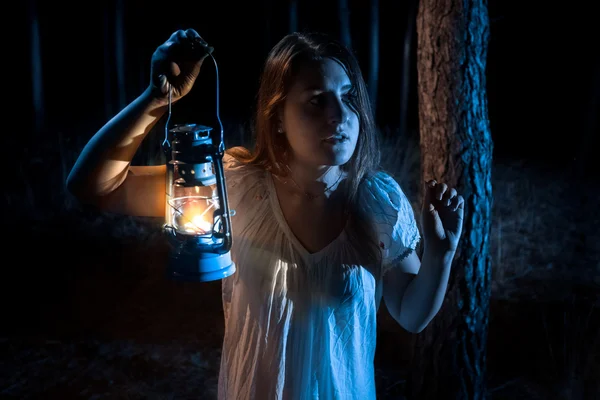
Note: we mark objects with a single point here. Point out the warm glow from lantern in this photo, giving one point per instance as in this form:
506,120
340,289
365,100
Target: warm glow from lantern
198,225
194,214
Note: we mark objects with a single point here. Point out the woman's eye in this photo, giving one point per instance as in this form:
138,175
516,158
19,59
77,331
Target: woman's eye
316,100
320,100
349,97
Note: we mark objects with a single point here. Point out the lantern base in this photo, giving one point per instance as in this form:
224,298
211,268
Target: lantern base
201,267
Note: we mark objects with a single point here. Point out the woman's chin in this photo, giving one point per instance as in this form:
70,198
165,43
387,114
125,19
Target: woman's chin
328,155
336,156
333,159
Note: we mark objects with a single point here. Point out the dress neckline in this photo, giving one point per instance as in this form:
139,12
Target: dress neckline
274,198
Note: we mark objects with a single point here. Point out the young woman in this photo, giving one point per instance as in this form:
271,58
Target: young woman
321,234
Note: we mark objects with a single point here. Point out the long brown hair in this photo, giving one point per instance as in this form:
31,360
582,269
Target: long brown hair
282,64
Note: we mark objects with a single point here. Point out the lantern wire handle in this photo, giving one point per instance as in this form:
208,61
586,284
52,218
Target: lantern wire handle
221,144
168,117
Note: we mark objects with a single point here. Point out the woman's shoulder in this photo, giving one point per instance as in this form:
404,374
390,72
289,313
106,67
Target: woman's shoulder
239,170
237,159
380,191
379,182
235,156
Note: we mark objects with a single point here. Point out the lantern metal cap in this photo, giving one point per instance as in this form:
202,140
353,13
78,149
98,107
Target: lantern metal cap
191,131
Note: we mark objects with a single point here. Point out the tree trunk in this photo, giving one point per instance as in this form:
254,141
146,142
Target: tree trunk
108,69
374,54
120,53
37,82
267,16
407,63
344,18
293,16
583,163
456,148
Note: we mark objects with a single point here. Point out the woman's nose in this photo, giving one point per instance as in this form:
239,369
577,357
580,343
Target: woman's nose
339,112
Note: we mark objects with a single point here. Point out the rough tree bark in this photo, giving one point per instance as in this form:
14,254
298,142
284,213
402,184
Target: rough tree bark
456,148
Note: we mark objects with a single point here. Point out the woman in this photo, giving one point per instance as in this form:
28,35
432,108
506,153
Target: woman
321,234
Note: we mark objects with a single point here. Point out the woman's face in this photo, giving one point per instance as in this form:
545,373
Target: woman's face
318,122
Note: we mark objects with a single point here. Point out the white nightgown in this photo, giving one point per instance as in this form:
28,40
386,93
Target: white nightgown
301,325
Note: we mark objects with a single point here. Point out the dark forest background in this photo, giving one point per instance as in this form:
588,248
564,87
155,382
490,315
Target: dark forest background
86,310
94,58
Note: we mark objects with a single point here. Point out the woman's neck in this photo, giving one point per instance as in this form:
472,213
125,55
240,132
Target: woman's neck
314,181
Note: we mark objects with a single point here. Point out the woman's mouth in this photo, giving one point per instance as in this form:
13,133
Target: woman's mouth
336,139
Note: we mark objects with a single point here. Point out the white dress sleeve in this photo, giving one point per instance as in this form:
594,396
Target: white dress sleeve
245,190
392,217
243,181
